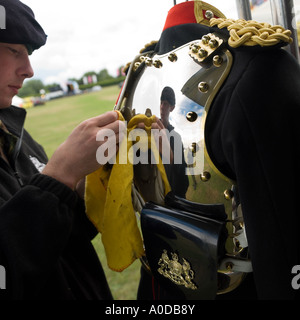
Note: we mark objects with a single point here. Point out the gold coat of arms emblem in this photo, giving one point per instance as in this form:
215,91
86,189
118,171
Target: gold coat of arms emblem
181,274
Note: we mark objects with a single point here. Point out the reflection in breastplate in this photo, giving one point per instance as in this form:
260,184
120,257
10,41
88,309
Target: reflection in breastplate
179,87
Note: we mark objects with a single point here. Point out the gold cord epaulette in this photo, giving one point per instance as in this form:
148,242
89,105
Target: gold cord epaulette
252,33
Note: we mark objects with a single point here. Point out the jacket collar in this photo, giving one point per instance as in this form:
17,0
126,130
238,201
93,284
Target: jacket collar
13,118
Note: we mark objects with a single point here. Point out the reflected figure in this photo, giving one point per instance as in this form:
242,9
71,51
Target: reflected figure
176,172
167,105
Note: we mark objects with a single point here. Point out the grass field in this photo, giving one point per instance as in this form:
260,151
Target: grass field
50,125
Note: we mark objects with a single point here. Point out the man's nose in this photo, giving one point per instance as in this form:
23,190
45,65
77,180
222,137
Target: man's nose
25,69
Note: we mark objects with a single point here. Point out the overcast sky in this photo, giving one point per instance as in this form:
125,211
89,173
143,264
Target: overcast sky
92,35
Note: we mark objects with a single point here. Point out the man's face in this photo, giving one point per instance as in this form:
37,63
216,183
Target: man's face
165,109
15,67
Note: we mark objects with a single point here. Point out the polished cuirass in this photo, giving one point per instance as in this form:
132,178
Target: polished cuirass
195,72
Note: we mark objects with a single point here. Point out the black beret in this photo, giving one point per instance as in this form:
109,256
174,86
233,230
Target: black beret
20,25
168,95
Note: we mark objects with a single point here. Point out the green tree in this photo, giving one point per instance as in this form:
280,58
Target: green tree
104,75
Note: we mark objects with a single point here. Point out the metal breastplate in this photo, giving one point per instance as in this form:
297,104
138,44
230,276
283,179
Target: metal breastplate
195,72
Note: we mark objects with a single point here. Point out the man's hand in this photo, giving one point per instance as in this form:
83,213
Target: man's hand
76,157
161,139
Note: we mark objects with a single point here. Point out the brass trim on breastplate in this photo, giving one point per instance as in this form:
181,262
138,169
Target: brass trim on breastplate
229,278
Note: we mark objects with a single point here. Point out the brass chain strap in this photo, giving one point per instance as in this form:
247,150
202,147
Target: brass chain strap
252,33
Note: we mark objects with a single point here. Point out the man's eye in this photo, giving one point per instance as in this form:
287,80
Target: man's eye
14,51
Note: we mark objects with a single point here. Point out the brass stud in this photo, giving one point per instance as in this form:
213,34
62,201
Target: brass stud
203,87
148,113
136,65
148,62
205,39
202,53
205,176
157,64
195,48
194,148
213,43
191,116
209,14
228,194
217,60
172,57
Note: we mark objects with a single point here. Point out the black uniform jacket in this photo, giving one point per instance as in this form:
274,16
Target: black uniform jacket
45,237
252,135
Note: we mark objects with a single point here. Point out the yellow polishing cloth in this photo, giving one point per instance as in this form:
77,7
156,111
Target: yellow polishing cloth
108,199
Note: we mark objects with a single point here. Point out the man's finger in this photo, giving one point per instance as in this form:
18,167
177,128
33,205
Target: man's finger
106,118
